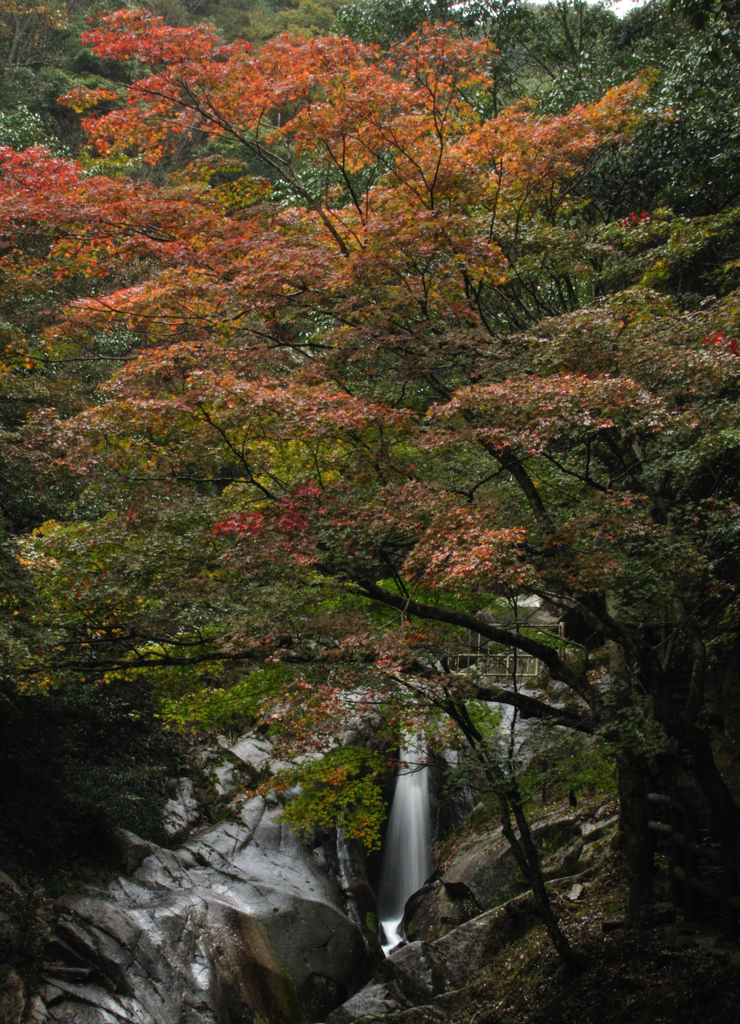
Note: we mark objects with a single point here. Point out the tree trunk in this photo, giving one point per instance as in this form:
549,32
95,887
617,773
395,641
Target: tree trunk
637,850
528,859
523,846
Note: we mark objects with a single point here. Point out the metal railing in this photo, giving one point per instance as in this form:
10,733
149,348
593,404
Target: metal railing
509,665
506,664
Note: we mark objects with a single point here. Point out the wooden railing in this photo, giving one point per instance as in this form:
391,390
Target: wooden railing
695,867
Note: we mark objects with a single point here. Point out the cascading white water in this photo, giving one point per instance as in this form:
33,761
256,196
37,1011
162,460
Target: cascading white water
407,858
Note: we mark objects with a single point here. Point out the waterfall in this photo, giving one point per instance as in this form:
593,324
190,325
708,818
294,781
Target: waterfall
407,859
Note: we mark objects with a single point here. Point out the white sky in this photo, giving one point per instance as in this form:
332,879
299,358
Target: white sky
621,7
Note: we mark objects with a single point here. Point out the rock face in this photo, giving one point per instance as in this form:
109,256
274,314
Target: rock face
484,874
181,811
254,752
246,923
242,923
420,982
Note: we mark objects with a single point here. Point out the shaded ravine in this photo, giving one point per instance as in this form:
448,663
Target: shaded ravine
243,922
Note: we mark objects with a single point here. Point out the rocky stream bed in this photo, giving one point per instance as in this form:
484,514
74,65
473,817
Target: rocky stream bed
244,922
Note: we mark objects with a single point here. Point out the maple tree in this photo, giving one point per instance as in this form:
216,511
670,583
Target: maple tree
380,369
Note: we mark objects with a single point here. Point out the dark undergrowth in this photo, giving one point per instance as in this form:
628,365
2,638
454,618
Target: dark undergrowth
672,974
74,764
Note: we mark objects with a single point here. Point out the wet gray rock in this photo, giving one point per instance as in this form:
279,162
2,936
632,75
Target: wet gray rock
373,1000
421,982
566,859
415,970
181,811
360,899
241,923
467,949
131,849
485,868
224,781
484,874
254,752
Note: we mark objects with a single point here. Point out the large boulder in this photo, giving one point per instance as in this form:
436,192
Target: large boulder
422,981
483,872
243,923
375,1000
254,751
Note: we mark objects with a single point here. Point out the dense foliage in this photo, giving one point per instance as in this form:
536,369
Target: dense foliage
330,354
